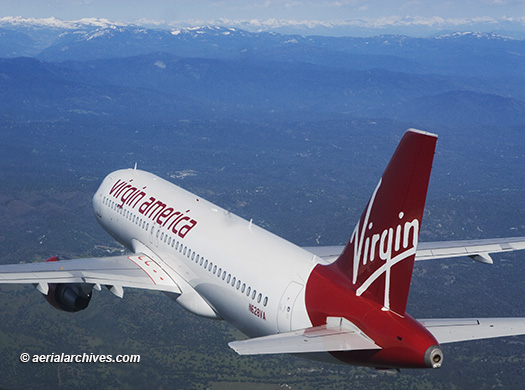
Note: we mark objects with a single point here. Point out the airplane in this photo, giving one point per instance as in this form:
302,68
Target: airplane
335,304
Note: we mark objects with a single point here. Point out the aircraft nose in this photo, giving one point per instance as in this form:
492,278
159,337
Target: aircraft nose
433,356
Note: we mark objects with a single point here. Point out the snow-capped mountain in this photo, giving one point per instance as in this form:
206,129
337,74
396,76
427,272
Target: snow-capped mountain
415,26
54,35
55,23
229,69
87,39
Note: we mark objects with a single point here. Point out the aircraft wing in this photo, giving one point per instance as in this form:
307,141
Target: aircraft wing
451,330
328,254
338,335
478,250
136,271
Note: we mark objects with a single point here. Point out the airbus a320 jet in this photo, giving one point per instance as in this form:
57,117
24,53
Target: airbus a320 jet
336,304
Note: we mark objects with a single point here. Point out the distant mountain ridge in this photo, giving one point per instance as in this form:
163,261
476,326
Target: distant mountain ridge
97,68
56,40
416,26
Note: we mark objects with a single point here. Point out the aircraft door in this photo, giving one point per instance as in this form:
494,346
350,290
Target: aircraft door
284,315
97,204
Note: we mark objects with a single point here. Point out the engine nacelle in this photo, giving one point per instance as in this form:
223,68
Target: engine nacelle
70,297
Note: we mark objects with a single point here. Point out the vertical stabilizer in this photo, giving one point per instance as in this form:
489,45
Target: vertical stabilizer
379,257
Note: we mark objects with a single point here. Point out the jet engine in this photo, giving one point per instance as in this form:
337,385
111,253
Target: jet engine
70,297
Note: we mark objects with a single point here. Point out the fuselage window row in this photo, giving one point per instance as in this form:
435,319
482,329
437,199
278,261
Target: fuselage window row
126,213
192,255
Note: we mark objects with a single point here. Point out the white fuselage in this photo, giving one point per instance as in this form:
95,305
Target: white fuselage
251,278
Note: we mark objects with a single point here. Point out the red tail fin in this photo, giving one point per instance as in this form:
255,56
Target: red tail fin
379,257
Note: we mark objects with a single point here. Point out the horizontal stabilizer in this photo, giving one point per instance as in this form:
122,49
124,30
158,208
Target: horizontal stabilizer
338,335
451,330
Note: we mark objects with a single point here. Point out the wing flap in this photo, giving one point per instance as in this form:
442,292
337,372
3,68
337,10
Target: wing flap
338,335
466,329
136,271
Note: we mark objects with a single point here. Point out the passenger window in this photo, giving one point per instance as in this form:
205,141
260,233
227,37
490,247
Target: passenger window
238,284
205,264
223,275
209,268
162,236
243,287
202,259
259,297
219,273
189,253
197,259
184,252
265,301
254,293
193,255
233,281
248,291
229,277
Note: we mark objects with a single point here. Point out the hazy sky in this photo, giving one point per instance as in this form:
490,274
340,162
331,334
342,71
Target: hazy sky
323,10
